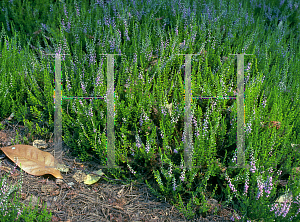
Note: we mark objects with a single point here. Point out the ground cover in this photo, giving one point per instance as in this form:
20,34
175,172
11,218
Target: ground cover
149,93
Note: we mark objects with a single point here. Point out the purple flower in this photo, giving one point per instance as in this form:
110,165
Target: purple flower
77,10
264,102
44,26
138,141
148,147
174,184
65,10
246,187
63,24
248,130
91,112
268,191
231,185
260,187
182,177
162,134
8,28
170,171
83,87
252,163
135,58
69,26
131,170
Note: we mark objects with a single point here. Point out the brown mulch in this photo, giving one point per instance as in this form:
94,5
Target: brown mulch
102,201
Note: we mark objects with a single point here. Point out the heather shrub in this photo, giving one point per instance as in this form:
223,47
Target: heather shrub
149,93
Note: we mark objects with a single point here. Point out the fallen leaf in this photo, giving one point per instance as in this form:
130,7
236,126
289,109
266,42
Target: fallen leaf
62,168
93,177
32,160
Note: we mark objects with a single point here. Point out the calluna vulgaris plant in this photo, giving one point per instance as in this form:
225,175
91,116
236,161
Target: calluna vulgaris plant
13,210
150,89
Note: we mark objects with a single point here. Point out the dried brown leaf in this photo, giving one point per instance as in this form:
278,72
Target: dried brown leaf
32,160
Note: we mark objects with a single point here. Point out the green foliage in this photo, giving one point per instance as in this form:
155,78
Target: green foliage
146,134
13,210
36,214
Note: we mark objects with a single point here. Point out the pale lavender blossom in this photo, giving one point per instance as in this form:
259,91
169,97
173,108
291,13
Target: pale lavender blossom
65,10
246,183
83,87
135,58
252,163
162,134
69,27
63,24
174,184
131,170
205,127
260,187
163,111
138,141
148,147
182,177
77,10
230,184
170,171
248,130
44,26
264,102
91,112
268,190
141,121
